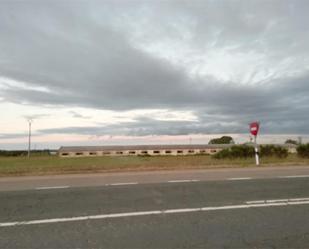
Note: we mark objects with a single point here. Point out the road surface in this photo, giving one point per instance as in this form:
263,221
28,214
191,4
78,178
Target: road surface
260,208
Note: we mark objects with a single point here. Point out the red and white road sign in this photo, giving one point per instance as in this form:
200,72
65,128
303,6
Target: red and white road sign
254,128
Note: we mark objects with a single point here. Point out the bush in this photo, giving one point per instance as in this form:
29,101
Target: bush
225,153
272,150
17,153
303,150
13,153
242,151
280,152
245,151
266,150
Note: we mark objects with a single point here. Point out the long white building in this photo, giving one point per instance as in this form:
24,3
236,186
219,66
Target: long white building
152,150
135,150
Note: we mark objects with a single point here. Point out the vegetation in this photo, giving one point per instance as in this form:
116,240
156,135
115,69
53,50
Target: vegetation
237,151
272,150
245,151
222,140
291,141
42,165
303,150
17,153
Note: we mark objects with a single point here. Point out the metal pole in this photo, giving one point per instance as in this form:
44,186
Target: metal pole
257,161
29,139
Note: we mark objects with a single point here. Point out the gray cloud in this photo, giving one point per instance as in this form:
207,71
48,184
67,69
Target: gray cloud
36,116
93,55
144,126
13,135
78,115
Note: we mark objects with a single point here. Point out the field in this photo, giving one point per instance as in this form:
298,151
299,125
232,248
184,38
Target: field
42,165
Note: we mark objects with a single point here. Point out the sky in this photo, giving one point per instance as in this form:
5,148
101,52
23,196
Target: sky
138,72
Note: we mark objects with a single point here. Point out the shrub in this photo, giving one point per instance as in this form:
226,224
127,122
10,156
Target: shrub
272,150
16,153
245,151
303,150
280,152
12,153
225,153
241,151
266,150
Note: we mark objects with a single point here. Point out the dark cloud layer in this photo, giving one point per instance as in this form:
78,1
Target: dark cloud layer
88,55
141,127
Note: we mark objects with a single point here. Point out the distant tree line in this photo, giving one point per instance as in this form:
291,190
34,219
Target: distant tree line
16,153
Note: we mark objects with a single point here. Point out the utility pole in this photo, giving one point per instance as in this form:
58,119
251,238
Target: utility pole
29,137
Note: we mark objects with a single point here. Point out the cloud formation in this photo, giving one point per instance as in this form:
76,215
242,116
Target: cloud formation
229,62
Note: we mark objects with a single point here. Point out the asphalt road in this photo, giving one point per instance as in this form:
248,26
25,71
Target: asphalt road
239,213
97,179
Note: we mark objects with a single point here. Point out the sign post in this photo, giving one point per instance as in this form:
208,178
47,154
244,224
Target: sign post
254,130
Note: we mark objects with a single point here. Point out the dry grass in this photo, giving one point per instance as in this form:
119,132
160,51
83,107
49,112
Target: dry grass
41,165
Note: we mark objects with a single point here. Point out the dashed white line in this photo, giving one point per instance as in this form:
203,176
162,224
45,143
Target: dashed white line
122,183
278,201
267,201
239,178
299,199
255,202
176,181
252,204
171,181
294,176
51,187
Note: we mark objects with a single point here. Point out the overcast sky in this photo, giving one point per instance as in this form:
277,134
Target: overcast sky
87,70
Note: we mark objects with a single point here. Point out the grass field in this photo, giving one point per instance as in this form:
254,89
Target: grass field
41,165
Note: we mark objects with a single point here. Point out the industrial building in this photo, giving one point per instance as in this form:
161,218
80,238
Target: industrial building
135,150
151,150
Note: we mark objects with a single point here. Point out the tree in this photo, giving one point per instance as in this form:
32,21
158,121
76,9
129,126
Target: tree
291,141
222,140
303,150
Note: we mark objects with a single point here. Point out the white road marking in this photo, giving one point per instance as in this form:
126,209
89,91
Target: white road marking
255,202
176,181
252,204
267,201
299,199
295,176
122,183
51,187
277,200
239,178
